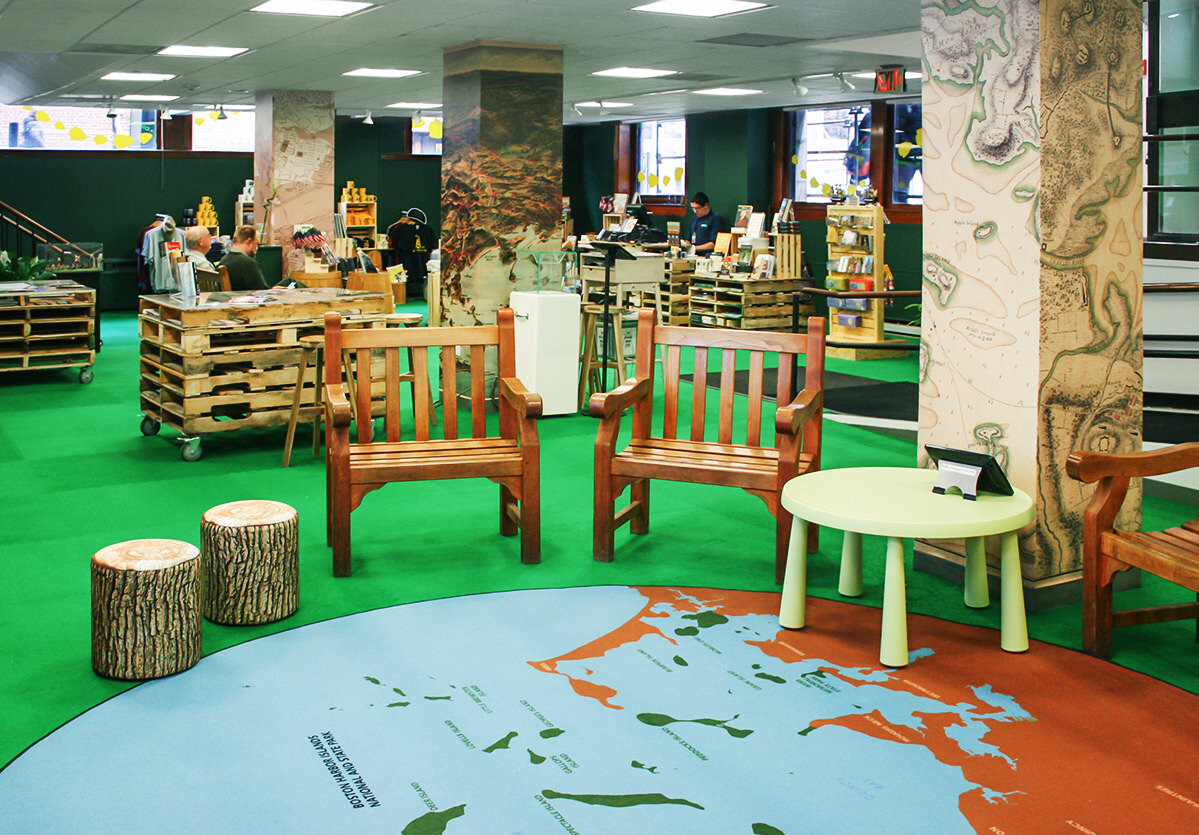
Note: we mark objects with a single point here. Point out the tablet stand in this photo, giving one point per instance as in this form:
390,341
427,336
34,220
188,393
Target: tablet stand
964,477
612,251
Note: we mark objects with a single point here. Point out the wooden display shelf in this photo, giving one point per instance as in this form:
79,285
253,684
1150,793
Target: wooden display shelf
228,361
744,303
48,326
362,220
855,239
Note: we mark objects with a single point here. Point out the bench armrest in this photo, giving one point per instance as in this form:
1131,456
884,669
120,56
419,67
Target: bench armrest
1092,466
526,403
603,405
788,419
337,404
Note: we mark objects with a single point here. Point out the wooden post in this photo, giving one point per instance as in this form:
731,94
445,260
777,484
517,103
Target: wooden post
251,557
145,608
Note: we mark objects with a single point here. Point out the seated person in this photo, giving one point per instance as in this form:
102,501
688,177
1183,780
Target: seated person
198,242
244,272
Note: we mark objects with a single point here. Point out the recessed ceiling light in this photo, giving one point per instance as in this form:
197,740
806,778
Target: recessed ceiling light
314,8
635,72
382,73
182,51
416,105
604,104
137,76
146,97
701,8
727,91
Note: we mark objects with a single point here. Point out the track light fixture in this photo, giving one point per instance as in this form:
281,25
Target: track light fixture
846,84
800,89
576,110
166,115
368,120
112,110
220,113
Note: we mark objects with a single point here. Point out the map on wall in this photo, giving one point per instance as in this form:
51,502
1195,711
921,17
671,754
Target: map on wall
600,710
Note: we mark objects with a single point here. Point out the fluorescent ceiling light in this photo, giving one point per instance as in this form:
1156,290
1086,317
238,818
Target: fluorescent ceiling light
146,97
181,51
137,76
700,8
862,75
202,107
727,91
604,104
416,105
635,72
382,73
313,8
913,74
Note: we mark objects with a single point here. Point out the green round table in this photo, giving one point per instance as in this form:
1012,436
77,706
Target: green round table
898,502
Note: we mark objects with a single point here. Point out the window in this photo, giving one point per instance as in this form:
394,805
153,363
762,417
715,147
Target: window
907,181
227,129
662,158
426,135
1172,125
79,128
832,150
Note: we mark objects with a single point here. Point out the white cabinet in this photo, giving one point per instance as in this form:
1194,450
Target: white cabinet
547,347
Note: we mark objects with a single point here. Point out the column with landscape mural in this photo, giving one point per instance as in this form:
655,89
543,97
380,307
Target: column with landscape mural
501,173
1031,323
293,163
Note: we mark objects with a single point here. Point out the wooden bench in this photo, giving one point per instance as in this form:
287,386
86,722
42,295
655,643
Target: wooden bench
356,467
1172,554
759,469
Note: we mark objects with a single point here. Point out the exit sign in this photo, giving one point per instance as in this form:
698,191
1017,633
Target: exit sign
890,80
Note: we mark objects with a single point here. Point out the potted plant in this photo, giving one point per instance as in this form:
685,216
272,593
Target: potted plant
27,269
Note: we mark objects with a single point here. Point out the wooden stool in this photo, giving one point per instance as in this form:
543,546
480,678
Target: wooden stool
590,363
145,608
251,562
311,350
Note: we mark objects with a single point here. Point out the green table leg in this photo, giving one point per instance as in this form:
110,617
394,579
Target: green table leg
977,595
1013,624
894,645
850,583
793,605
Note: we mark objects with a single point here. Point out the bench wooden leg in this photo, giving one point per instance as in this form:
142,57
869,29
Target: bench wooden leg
604,525
1096,607
530,519
639,495
508,525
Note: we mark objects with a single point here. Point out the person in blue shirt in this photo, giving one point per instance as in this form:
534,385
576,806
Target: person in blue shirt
706,226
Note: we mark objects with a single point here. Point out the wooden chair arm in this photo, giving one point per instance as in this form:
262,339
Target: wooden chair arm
526,403
337,404
604,405
1092,466
788,419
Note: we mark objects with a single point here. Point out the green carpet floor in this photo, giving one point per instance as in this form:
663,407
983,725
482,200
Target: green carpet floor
80,476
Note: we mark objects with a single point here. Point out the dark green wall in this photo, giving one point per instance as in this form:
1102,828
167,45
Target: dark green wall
588,170
728,158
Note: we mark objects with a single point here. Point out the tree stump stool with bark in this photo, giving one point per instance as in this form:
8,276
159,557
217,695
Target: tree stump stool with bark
145,608
251,557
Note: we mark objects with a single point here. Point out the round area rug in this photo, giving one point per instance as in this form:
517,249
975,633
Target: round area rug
620,710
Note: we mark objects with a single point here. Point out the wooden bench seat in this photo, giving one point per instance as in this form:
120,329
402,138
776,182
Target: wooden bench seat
357,463
1172,554
698,459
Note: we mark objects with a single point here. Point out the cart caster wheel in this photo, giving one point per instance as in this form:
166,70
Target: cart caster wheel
86,375
150,426
191,451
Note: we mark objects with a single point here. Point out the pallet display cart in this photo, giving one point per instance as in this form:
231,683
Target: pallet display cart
743,303
49,325
227,361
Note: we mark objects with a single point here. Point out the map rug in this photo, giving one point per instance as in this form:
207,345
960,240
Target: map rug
621,709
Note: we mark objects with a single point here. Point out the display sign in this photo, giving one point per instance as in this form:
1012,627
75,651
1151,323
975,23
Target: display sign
890,80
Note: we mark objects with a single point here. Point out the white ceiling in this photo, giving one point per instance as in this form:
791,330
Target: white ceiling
55,51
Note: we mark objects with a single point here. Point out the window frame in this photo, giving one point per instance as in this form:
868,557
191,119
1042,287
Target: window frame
882,150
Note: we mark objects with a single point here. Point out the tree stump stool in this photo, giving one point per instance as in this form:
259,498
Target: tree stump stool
251,557
145,608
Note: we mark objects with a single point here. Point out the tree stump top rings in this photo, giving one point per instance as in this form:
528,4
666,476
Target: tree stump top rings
249,513
146,554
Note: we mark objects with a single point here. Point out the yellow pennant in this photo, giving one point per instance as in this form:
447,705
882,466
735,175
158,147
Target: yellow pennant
199,121
641,176
653,180
826,191
904,148
436,129
77,133
122,141
59,125
42,116
100,140
814,183
920,136
144,137
678,174
665,181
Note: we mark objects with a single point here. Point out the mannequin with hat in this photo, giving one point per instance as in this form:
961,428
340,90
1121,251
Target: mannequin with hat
411,239
158,247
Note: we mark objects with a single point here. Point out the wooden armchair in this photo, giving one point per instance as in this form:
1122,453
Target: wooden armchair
1171,554
354,467
212,282
760,470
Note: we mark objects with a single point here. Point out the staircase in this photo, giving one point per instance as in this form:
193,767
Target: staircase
20,234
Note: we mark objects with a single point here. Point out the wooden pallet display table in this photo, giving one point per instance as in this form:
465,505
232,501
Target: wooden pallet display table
744,303
50,325
674,297
227,361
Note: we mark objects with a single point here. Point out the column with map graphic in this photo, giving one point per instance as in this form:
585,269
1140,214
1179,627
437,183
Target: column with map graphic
1031,323
293,162
501,173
